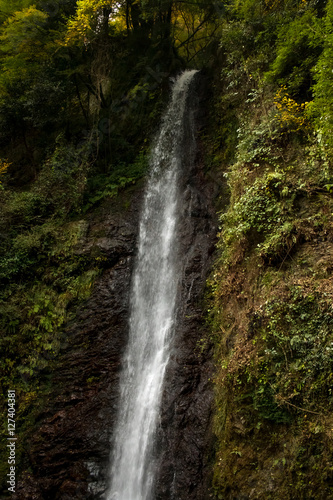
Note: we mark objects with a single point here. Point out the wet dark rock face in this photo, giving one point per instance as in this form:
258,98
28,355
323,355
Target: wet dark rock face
185,438
69,452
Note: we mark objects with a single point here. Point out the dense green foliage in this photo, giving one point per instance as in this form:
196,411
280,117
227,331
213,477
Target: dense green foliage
270,292
82,87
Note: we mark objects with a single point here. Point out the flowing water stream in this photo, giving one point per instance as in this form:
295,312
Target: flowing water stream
153,309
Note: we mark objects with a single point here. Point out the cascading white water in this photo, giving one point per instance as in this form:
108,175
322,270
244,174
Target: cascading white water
153,310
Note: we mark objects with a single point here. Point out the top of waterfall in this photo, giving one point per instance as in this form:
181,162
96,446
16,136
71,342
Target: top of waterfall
166,150
181,85
182,80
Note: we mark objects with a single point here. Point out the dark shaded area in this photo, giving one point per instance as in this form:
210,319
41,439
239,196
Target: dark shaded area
69,450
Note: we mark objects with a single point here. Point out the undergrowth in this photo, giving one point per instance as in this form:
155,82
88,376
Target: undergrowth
270,293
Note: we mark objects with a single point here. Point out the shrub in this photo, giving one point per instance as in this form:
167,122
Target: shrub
291,116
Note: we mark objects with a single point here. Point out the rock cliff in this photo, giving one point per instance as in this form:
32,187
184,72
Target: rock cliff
70,446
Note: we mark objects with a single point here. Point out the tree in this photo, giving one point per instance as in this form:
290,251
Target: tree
22,47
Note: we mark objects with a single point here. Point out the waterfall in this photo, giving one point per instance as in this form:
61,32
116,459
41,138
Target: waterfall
154,292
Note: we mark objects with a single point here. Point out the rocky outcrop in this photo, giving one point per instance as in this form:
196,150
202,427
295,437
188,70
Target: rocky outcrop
69,451
184,435
184,438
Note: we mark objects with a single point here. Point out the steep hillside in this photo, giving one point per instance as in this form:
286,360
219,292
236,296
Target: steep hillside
270,293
